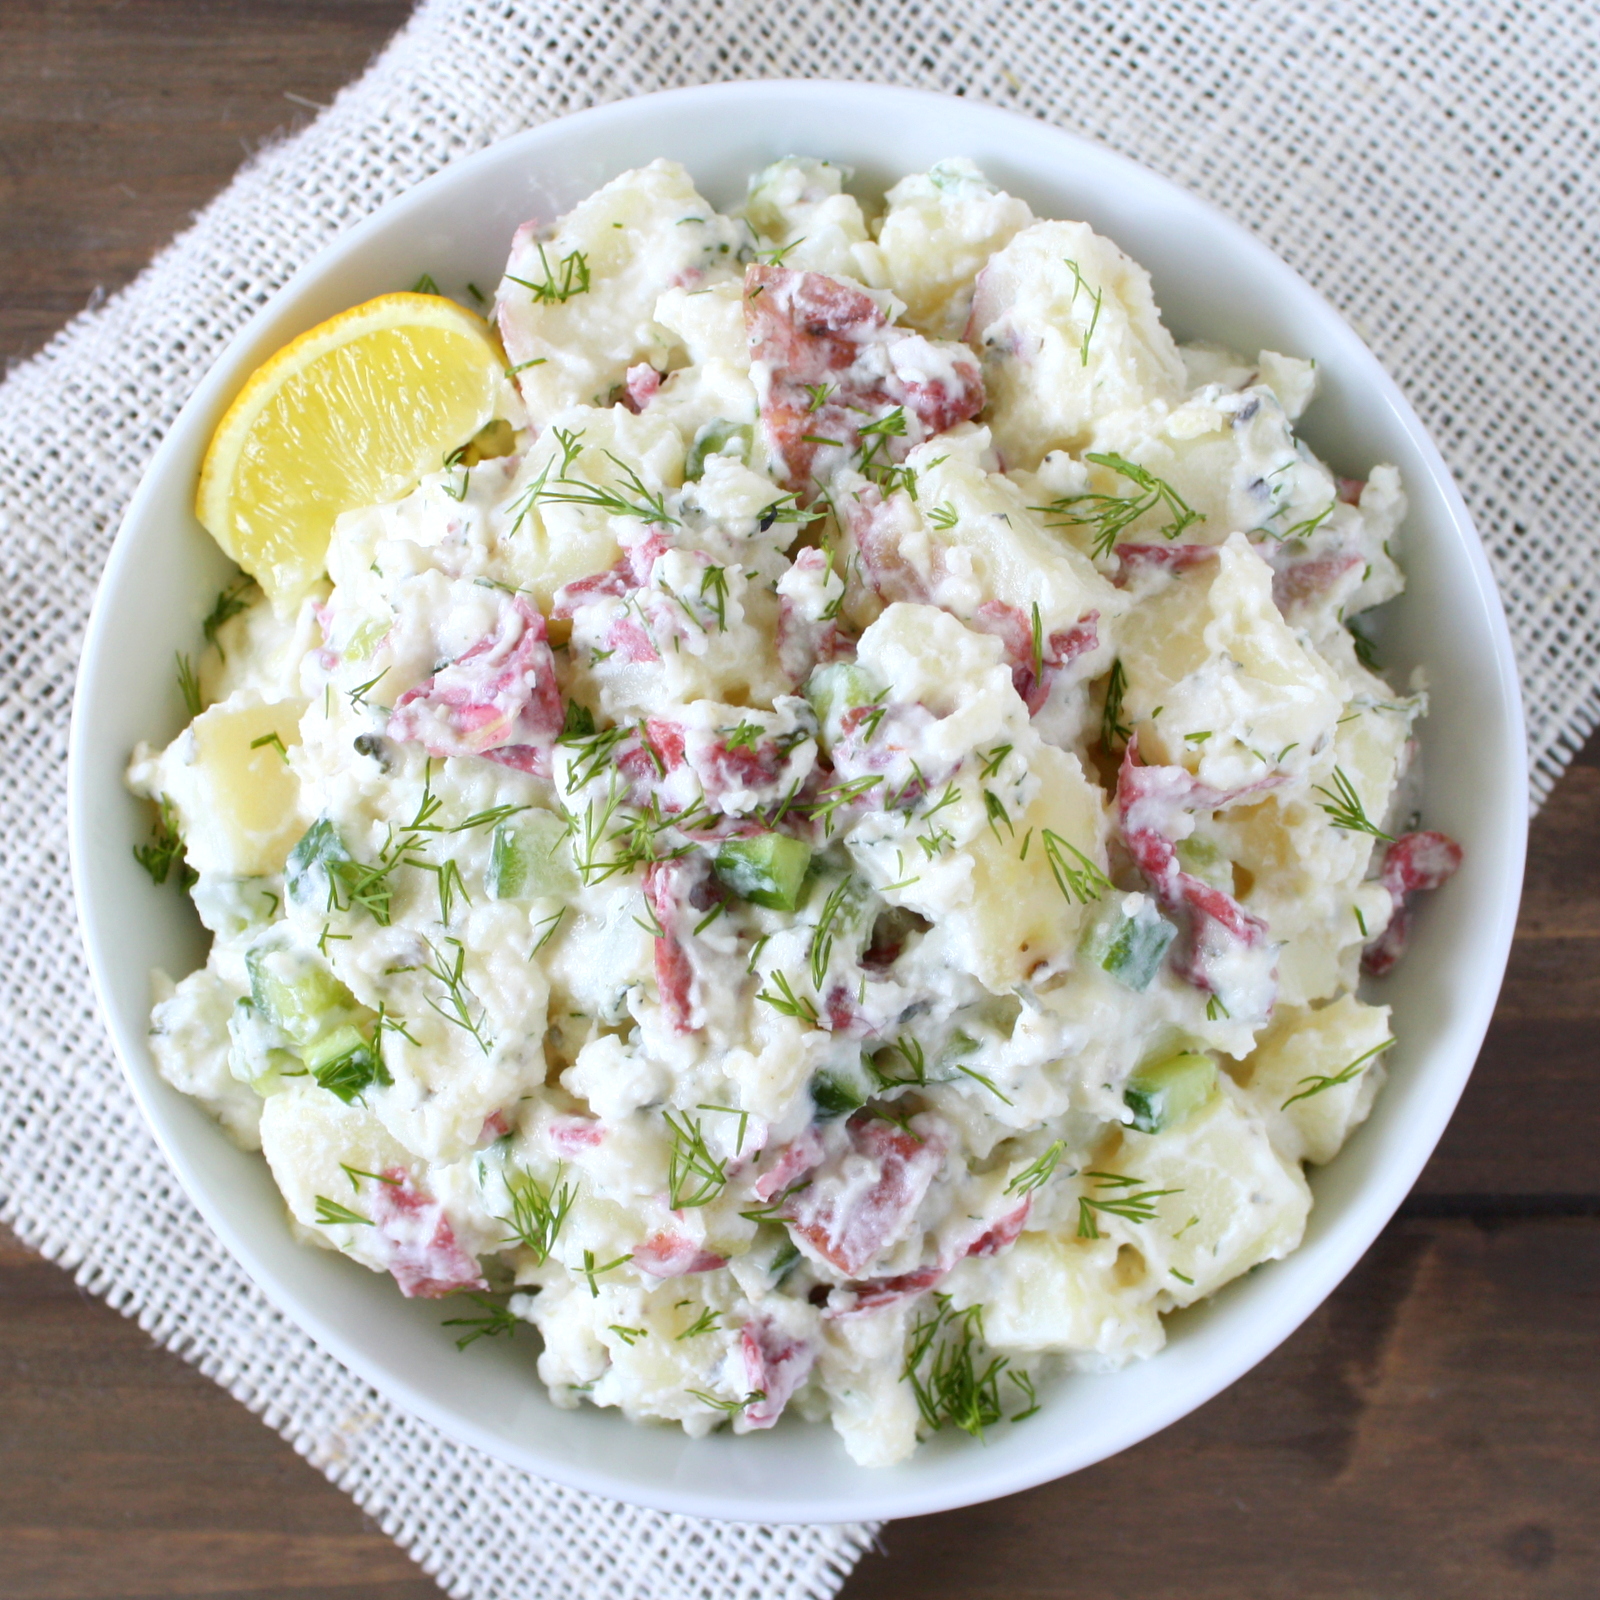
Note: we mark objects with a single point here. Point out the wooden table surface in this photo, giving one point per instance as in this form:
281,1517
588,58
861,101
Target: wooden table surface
1432,1432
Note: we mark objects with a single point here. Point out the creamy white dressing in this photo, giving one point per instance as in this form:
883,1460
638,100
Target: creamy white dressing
871,811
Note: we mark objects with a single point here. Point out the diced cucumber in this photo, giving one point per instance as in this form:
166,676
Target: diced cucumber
784,1259
529,857
297,994
1163,1094
1128,941
305,874
345,1063
767,869
833,689
843,1087
1204,860
719,437
258,1053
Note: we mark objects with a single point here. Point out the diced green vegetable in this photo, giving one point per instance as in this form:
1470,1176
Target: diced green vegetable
257,1051
838,1090
305,874
719,437
1162,1095
345,1063
833,689
784,1259
297,994
530,857
767,869
1204,860
1129,946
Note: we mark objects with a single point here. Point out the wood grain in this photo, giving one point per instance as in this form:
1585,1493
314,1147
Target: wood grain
1431,1433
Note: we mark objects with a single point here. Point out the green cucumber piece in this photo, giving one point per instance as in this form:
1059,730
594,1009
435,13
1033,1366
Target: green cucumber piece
1163,1094
719,437
833,689
297,994
305,874
767,869
839,1089
1202,859
1129,947
257,1053
529,857
346,1063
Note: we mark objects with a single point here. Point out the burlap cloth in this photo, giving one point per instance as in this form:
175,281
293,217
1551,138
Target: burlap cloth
1431,167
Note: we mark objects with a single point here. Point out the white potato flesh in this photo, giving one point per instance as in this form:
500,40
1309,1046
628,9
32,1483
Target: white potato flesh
1069,333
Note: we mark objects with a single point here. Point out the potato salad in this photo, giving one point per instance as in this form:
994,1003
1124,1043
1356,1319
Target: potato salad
824,858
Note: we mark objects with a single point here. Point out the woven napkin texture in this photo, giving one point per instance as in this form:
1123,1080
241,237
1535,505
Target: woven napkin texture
1431,167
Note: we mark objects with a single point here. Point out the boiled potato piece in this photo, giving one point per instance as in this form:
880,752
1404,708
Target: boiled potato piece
1292,1077
1069,332
583,311
940,228
1234,1200
1049,1293
1218,683
237,798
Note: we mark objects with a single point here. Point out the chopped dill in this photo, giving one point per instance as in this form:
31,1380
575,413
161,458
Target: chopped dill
1109,515
330,1214
1082,882
1039,1172
695,1177
496,1320
1319,1081
538,1211
556,288
1345,810
188,685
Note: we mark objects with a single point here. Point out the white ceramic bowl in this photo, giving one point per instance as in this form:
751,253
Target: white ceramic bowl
1212,280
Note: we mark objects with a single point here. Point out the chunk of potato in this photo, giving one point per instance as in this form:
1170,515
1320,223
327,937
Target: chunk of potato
1049,1293
1293,1075
1234,1200
1068,331
229,777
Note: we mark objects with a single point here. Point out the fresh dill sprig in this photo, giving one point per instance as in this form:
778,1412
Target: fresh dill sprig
457,993
188,685
1079,282
331,1214
732,1111
496,1320
787,1003
822,934
943,1368
546,931
538,1211
165,847
706,1322
1138,1207
565,489
229,603
943,517
1109,515
817,395
994,760
275,740
358,695
840,794
557,287
629,1336
355,1174
1112,727
1082,882
714,594
695,1177
730,1406
592,1269
1345,810
1039,1172
1319,1081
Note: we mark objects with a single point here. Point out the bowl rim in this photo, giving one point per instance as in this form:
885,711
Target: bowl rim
1379,1200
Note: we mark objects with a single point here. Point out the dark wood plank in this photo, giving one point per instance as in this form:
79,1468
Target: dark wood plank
123,1471
120,118
1431,1432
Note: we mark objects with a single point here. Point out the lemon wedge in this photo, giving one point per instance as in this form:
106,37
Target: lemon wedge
352,413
